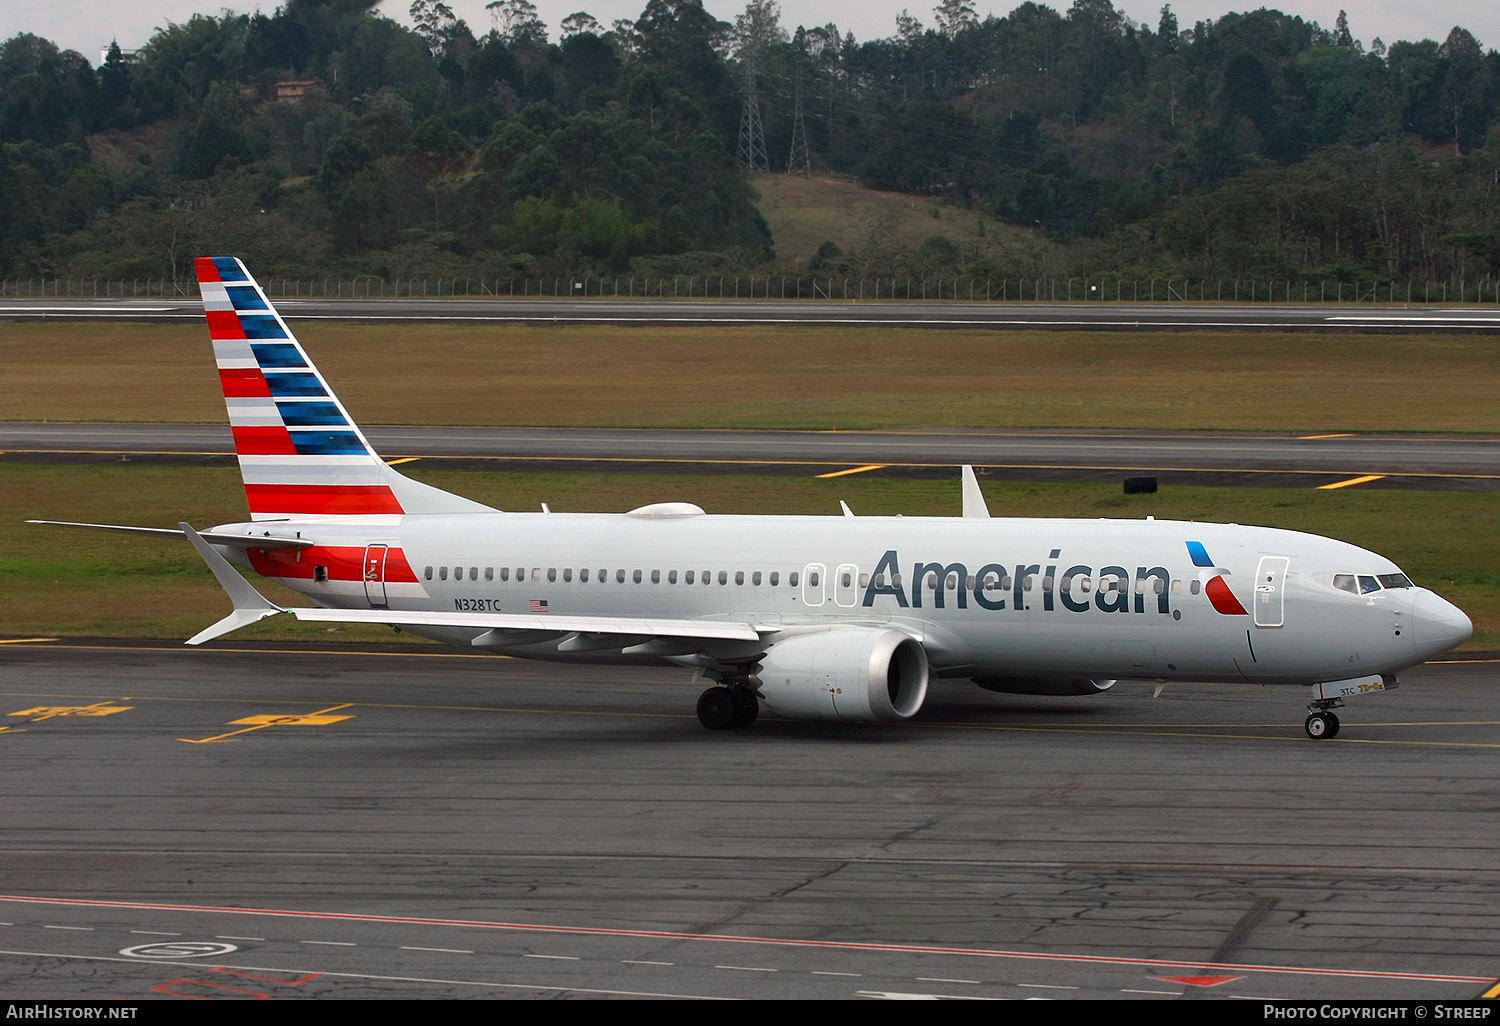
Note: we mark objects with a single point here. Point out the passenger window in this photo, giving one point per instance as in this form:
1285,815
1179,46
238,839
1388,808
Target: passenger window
1194,587
1067,583
687,578
489,573
1368,584
1158,585
1346,582
774,578
846,579
505,573
952,582
656,577
723,576
442,573
880,580
739,577
583,576
552,575
536,574
1005,583
755,578
896,580
1046,584
791,579
473,573
812,579
1177,587
603,576
520,574
429,573
567,575
458,573
671,576
636,577
620,576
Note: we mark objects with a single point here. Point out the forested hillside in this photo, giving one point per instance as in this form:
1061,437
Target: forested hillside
325,139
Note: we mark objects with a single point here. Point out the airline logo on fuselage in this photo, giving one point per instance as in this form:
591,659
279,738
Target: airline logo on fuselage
1079,588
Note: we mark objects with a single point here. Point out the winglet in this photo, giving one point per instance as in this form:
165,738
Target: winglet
845,507
250,606
973,498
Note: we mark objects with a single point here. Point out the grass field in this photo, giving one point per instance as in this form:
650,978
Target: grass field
56,582
803,213
789,377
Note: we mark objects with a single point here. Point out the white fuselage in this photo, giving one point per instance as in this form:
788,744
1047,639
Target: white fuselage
1068,598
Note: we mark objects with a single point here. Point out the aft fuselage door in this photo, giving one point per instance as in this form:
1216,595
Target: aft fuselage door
1270,591
375,575
846,585
813,584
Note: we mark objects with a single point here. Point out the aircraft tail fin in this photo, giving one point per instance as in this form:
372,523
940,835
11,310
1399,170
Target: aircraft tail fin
300,453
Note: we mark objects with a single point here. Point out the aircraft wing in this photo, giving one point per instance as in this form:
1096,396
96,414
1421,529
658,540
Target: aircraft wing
234,541
645,635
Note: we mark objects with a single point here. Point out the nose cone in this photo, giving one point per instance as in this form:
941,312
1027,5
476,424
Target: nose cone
1438,625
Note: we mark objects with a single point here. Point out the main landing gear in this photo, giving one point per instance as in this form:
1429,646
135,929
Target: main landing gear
728,708
1321,723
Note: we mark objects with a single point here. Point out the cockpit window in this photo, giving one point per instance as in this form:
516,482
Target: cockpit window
1346,582
1368,584
1395,581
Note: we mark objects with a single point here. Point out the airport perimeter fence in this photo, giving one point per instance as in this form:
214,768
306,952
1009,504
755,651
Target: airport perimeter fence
779,287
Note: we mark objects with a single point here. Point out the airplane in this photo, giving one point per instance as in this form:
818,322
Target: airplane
817,617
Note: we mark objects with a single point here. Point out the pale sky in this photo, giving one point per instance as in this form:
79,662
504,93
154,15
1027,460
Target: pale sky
89,25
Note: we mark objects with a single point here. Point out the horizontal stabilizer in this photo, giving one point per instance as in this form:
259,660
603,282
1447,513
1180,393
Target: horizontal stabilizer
233,541
250,606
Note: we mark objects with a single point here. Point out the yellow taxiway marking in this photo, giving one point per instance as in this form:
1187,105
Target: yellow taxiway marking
317,719
1309,438
402,459
1351,481
1493,992
24,641
855,470
48,712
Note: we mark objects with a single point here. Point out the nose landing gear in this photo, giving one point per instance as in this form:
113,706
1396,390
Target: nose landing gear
1321,723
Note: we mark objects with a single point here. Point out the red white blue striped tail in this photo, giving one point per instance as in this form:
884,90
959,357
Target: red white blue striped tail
301,454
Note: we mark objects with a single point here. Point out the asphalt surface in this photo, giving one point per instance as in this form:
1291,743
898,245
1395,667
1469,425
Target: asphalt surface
1080,316
1430,462
408,822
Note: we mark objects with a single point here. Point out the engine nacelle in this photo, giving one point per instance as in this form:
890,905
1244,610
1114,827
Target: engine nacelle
1044,685
858,674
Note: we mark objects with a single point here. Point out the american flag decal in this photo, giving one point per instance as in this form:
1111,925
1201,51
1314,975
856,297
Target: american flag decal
538,605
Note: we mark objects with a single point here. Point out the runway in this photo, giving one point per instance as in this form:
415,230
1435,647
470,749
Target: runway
410,822
996,316
1429,462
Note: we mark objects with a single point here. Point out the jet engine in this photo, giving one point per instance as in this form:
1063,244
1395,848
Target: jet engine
853,674
1044,685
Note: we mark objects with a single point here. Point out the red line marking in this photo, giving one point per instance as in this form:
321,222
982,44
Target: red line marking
587,931
330,500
